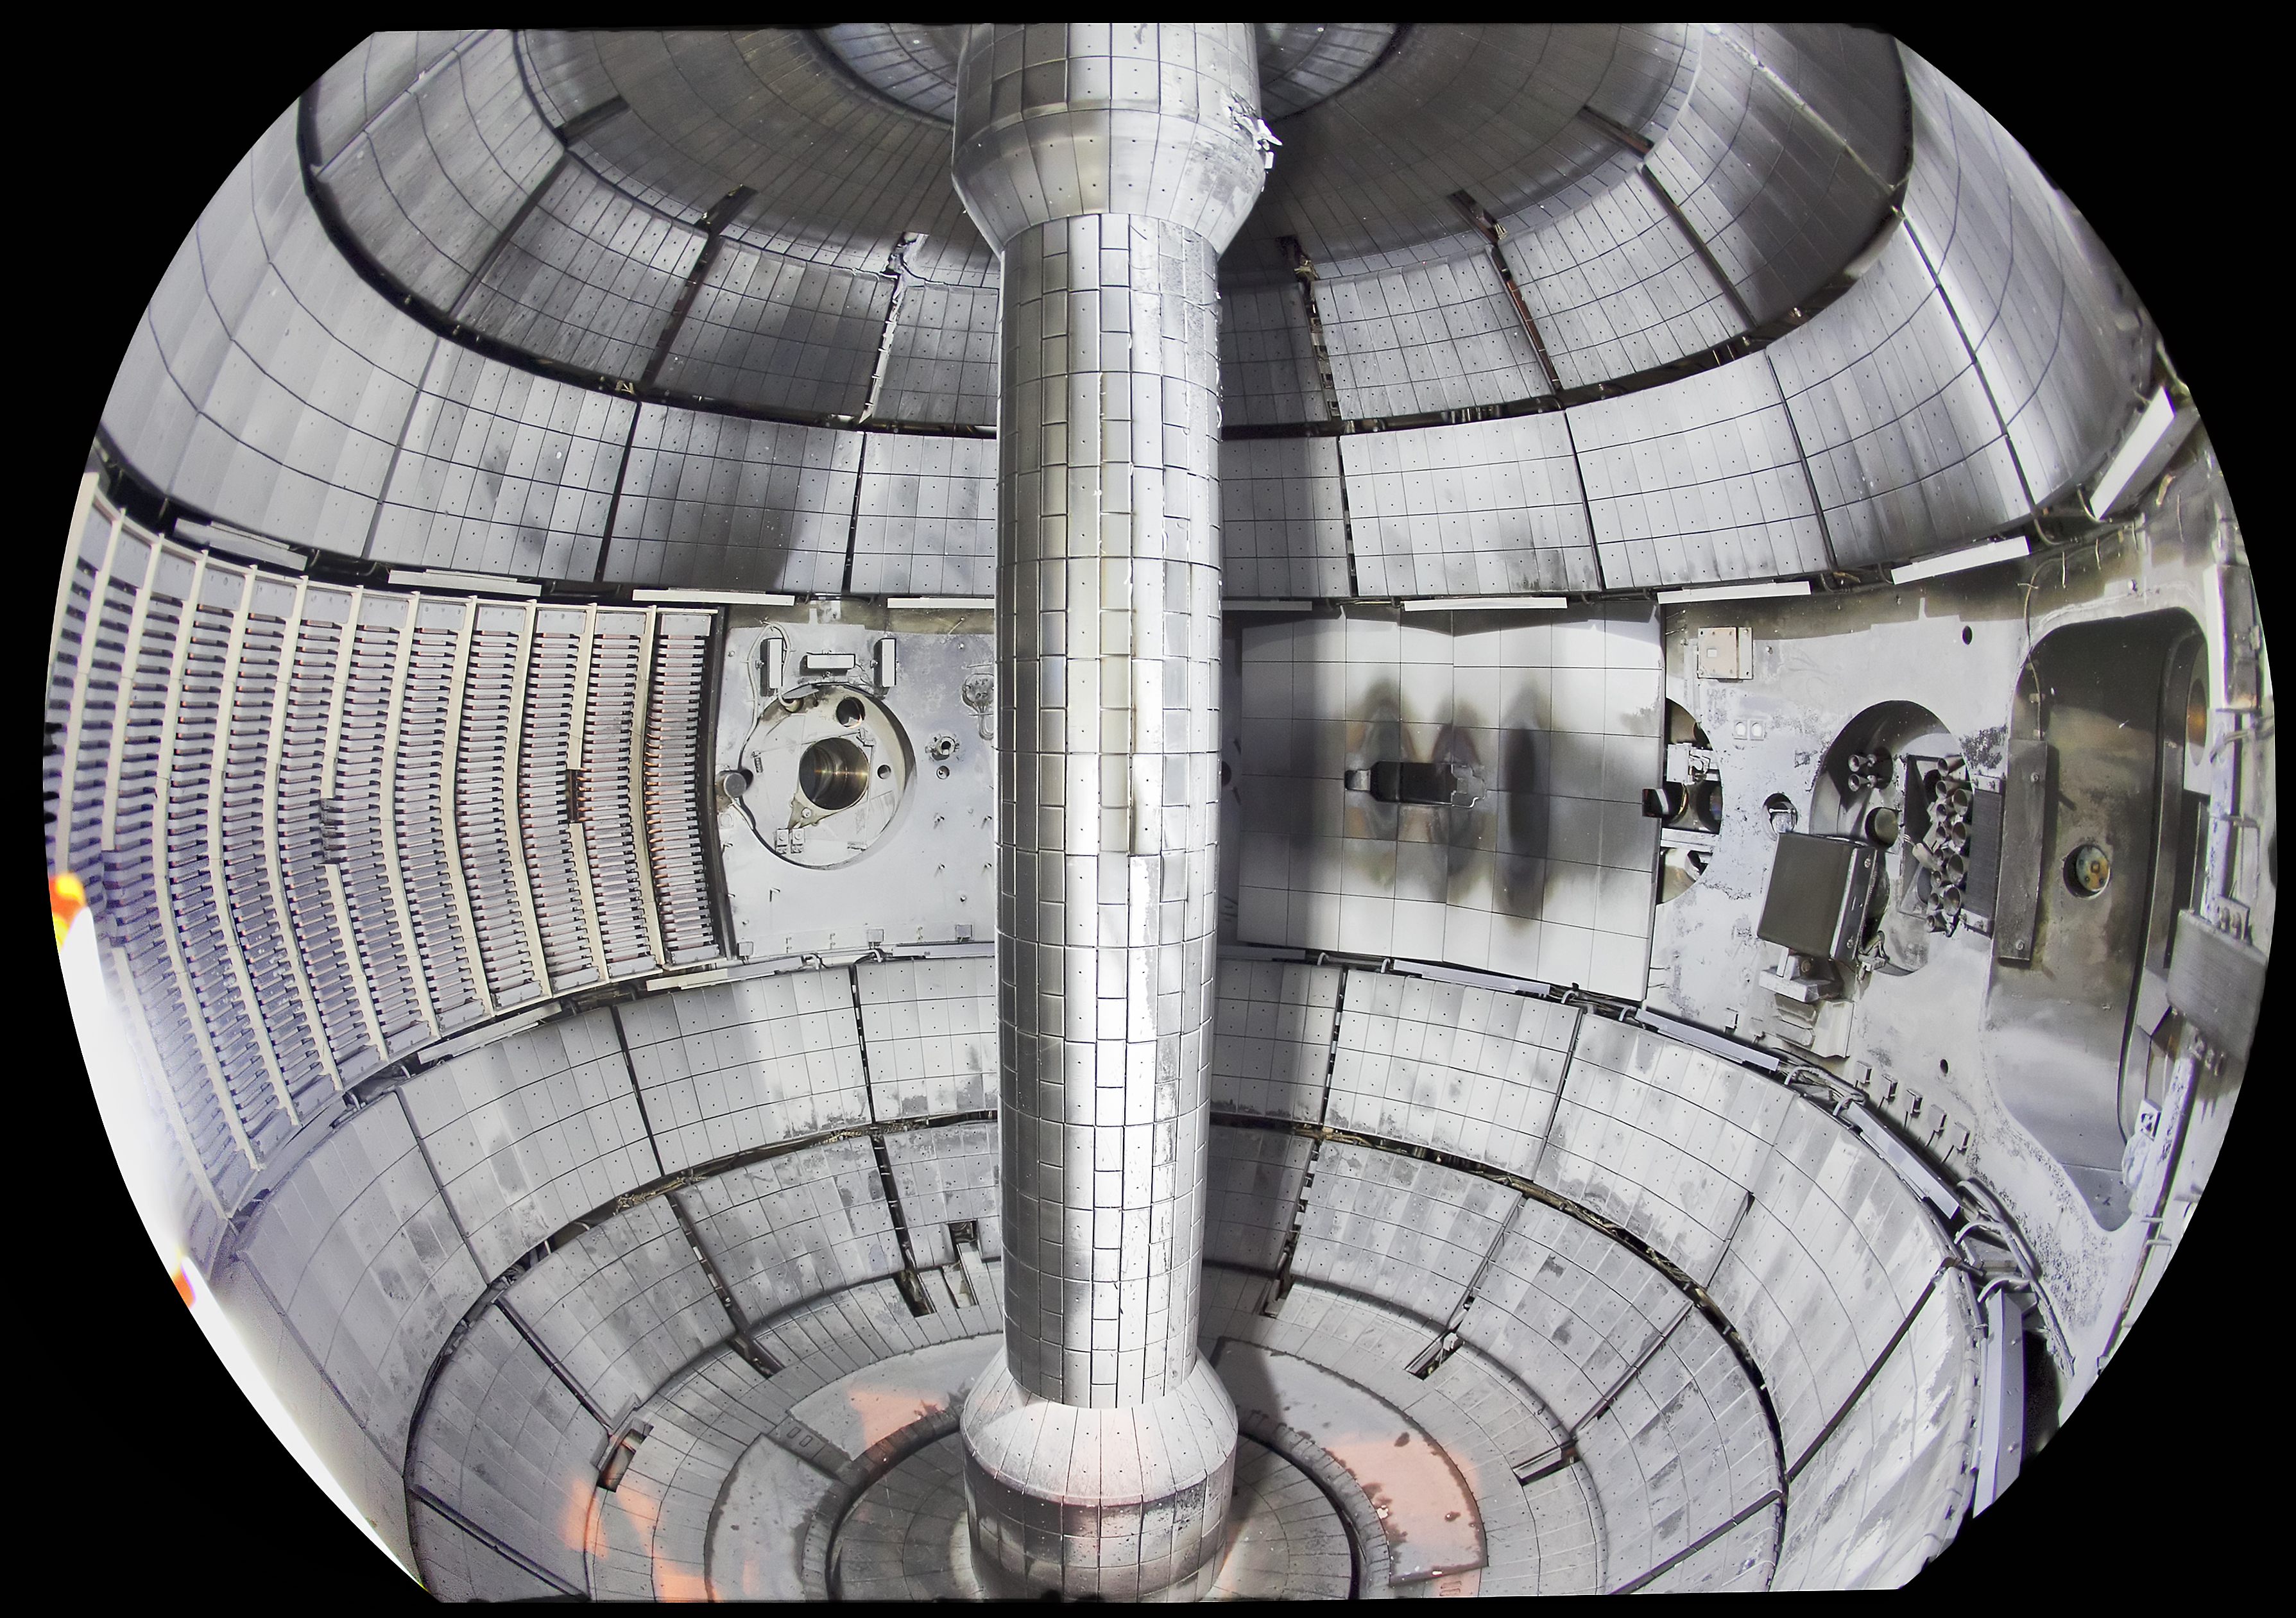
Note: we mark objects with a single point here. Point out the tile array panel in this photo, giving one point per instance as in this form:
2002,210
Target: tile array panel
925,523
1473,1072
435,173
931,1027
1272,1038
531,1132
771,332
1283,521
1267,359
730,1067
1779,201
1698,482
1480,507
1548,877
1435,335
725,502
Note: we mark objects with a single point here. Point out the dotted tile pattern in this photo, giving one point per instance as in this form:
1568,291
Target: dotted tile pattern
531,1132
1905,450
942,366
501,471
1664,1139
931,1032
927,520
1253,1193
1470,1071
1271,1048
1436,336
1698,482
793,1227
622,1306
1284,532
946,1174
1480,508
1547,878
714,500
1409,1232
1616,287
507,1446
436,166
359,1253
735,1066
1268,358
589,278
1684,1446
777,333
1780,203
2065,348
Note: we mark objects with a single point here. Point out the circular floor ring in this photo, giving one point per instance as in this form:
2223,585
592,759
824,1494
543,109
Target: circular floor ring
906,1537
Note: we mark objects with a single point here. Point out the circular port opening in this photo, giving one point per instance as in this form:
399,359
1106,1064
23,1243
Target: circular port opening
833,773
884,772
849,710
2088,869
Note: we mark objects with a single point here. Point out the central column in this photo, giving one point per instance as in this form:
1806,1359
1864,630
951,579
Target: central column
1109,164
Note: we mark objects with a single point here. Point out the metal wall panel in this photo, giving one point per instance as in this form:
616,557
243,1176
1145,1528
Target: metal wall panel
623,1305
588,279
1409,1233
1698,482
1681,1444
1663,1139
926,524
790,1228
724,501
1616,287
947,1175
1272,1045
1250,1197
511,1450
500,471
1830,1258
266,383
1903,448
378,70
1473,1072
531,1132
942,365
735,1065
930,1027
1480,507
1268,364
360,1252
436,174
2065,348
1438,335
774,332
1283,526
1778,200
1887,1491
1548,877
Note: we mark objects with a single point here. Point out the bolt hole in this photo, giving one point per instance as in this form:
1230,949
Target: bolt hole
942,773
849,710
1944,1066
1966,636
884,772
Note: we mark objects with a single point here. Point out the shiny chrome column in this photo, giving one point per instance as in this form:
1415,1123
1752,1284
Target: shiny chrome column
1109,164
